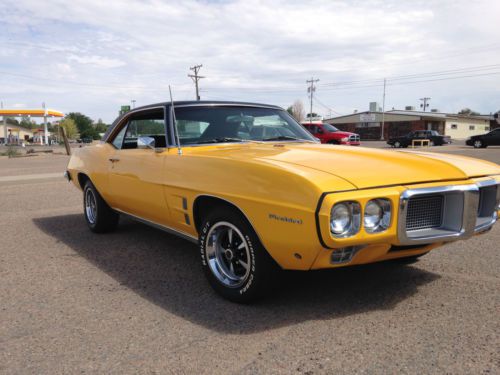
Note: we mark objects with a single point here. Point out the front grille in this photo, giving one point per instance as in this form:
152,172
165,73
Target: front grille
424,212
487,201
354,138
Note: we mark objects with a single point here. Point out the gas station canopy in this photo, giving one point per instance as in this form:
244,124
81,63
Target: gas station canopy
44,112
31,112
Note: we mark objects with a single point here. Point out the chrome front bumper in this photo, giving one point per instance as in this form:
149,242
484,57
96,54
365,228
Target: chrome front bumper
460,216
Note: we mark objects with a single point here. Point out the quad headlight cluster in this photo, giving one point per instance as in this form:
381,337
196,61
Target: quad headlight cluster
345,217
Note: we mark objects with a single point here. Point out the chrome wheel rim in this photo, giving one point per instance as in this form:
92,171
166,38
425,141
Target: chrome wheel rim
90,206
397,144
228,254
477,144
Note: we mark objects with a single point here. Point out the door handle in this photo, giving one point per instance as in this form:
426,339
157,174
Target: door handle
112,160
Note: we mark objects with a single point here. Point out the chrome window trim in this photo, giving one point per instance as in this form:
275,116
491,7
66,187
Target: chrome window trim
469,215
124,121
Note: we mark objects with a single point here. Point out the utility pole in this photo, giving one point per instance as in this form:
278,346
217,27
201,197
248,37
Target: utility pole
4,126
45,128
311,89
195,77
133,103
424,105
383,115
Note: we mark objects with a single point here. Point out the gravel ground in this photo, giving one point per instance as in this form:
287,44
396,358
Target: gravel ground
136,301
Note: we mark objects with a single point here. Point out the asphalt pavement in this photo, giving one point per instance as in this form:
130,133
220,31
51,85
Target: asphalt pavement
135,301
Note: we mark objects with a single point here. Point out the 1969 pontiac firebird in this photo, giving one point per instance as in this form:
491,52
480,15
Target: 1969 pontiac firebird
257,192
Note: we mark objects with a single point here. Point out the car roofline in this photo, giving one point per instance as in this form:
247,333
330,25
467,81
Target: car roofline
185,103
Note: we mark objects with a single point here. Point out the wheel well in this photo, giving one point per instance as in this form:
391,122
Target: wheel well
205,204
82,179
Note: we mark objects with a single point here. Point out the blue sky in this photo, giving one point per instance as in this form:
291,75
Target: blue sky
93,56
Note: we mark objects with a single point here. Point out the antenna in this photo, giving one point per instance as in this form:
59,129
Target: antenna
179,149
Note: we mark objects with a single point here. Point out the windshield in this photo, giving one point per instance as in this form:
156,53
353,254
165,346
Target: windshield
330,128
199,125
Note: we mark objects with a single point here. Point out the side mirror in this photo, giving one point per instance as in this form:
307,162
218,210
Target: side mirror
146,142
320,131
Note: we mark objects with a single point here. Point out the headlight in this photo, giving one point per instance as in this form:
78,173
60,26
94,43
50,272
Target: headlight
345,219
377,217
345,139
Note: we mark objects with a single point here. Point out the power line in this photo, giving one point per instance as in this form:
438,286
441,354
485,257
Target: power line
378,82
419,75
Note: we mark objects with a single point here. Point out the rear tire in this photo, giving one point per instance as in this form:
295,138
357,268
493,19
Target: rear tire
234,261
397,144
99,217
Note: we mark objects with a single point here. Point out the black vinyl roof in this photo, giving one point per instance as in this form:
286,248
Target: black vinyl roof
206,103
186,103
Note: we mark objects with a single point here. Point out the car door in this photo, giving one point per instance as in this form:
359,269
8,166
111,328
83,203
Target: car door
494,137
136,173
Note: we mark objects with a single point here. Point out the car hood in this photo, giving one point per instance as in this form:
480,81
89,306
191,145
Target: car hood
362,167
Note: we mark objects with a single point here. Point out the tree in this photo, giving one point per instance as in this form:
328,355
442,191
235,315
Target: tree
70,127
101,127
297,110
26,122
84,125
468,112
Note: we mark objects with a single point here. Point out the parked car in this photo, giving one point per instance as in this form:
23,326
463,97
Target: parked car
433,136
328,133
257,192
484,140
85,140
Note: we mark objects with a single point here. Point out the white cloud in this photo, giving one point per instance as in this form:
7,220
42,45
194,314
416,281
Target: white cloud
97,55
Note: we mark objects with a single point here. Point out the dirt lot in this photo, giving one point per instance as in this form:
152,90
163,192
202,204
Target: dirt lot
135,301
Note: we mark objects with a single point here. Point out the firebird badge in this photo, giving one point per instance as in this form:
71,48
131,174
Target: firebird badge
285,219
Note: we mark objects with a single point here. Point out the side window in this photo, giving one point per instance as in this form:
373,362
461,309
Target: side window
150,123
118,141
190,130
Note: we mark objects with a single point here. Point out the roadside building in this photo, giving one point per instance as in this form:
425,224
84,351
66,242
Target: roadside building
15,134
400,122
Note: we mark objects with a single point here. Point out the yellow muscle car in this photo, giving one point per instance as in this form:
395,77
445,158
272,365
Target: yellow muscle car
257,192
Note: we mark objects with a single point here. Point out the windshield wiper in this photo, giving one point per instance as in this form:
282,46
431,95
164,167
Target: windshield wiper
221,140
285,138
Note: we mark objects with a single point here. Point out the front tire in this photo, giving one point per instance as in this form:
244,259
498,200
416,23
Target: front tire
234,261
99,217
397,144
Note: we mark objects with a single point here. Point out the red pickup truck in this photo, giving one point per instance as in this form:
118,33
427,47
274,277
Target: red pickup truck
328,133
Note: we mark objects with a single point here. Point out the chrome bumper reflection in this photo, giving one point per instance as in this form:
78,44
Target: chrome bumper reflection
460,215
